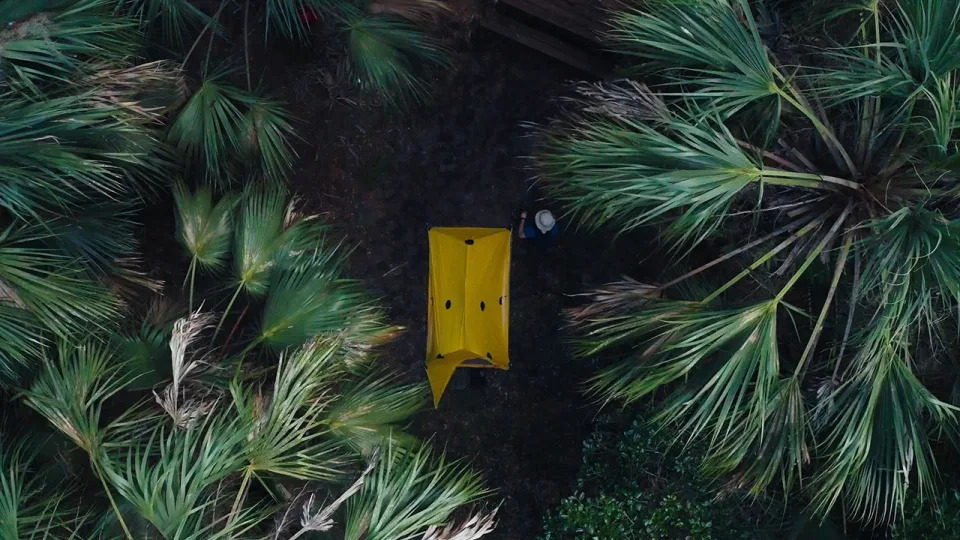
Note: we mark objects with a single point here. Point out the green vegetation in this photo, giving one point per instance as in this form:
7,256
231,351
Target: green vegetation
247,402
633,486
821,174
937,521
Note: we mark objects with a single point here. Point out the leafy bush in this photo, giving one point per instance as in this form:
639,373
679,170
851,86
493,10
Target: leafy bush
816,176
635,486
930,520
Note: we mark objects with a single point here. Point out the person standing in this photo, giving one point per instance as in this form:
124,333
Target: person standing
542,232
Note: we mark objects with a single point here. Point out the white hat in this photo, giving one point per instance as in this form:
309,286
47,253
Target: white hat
545,221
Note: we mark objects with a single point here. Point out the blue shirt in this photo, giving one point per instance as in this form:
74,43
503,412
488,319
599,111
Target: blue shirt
545,239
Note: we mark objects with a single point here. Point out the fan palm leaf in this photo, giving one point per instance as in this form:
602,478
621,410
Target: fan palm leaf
174,17
308,298
407,493
61,152
205,229
28,509
624,170
367,413
286,434
727,60
99,237
49,285
165,473
70,392
266,129
208,129
51,41
221,123
385,51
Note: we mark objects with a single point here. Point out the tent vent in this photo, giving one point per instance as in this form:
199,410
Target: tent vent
448,304
468,241
490,356
483,306
501,300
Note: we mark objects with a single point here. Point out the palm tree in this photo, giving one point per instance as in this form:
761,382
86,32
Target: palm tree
831,184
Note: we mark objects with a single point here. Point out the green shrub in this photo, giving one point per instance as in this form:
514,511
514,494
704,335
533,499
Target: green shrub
636,486
930,521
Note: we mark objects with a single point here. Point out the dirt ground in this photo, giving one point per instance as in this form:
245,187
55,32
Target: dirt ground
384,176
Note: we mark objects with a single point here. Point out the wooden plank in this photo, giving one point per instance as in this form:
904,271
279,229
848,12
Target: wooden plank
585,18
545,43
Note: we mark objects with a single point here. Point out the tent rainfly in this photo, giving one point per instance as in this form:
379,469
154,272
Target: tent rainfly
468,302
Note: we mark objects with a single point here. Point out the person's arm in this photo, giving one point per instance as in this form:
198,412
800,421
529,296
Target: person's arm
523,223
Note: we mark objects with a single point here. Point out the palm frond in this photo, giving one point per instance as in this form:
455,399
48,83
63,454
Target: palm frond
149,89
772,444
268,230
369,412
633,172
165,474
29,509
385,51
265,129
407,493
22,340
99,237
49,285
52,41
71,390
287,436
308,298
205,229
61,152
715,41
174,17
878,437
208,129
222,125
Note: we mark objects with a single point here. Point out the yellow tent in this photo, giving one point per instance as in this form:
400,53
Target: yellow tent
468,305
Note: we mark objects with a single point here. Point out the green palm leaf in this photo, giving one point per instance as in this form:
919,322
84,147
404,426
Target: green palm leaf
165,472
51,40
715,41
70,392
407,492
205,229
385,51
633,171
222,124
49,286
99,237
29,509
286,433
878,437
208,129
308,298
61,152
174,17
264,143
366,414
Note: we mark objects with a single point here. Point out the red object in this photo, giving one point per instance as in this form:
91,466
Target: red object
309,15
